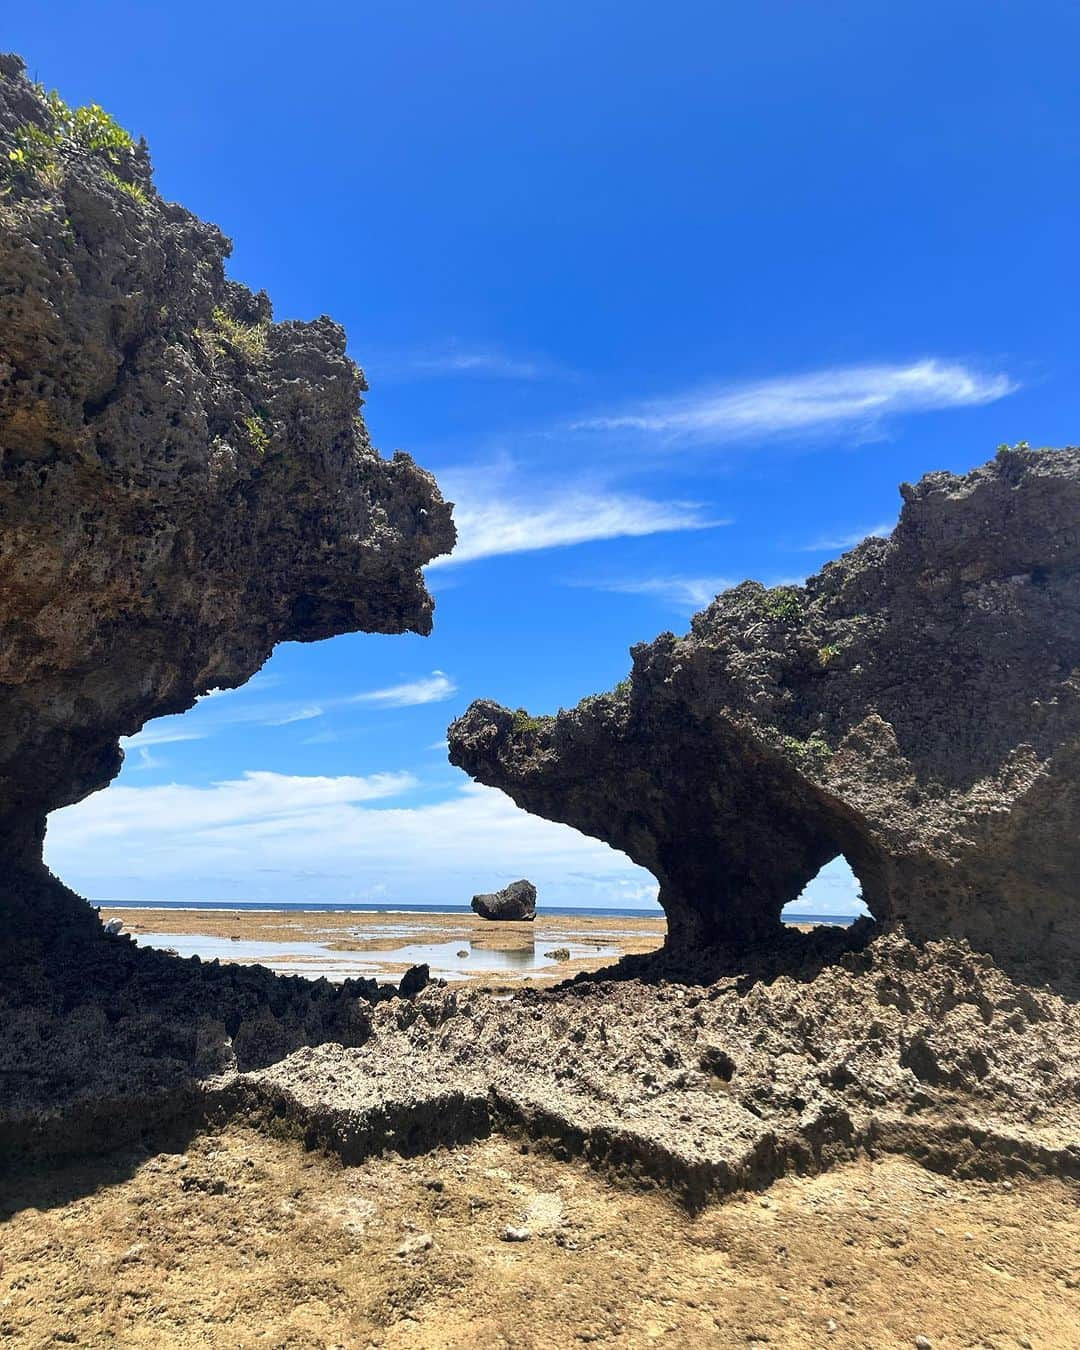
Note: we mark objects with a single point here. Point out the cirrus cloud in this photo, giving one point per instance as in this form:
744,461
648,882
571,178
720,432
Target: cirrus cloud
862,395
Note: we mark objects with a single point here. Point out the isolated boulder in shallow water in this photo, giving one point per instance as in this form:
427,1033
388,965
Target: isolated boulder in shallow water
516,901
914,707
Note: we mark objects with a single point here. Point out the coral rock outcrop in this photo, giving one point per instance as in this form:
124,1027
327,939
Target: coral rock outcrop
184,483
516,901
914,707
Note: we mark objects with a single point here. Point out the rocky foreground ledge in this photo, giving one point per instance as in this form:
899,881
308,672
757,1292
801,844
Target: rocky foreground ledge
928,1050
915,707
184,484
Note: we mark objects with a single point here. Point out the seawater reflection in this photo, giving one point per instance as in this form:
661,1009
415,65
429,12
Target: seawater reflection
454,960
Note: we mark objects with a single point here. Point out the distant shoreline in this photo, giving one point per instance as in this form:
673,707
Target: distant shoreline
348,907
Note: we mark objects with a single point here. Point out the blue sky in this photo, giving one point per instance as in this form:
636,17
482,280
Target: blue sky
667,298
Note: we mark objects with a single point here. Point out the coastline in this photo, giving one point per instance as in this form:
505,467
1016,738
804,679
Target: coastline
340,944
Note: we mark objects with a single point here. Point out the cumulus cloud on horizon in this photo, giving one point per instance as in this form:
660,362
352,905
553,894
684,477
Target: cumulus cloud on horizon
259,835
290,838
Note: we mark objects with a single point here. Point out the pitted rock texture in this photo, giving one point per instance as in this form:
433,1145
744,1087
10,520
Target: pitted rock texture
924,1048
915,707
516,901
184,482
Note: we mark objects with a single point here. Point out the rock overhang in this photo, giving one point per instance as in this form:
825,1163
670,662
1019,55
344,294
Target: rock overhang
915,707
185,483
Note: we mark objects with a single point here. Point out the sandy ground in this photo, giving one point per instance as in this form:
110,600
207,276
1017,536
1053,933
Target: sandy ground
379,936
248,1240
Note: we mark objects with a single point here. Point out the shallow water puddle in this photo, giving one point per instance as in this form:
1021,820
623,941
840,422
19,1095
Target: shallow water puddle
454,960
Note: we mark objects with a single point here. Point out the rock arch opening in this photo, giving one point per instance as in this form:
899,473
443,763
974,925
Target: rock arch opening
833,895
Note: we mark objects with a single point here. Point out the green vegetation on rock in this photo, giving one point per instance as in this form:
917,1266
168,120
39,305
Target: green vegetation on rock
257,431
524,722
89,128
245,340
783,603
813,752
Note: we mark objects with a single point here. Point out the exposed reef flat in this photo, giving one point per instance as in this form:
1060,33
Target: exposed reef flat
774,1065
384,945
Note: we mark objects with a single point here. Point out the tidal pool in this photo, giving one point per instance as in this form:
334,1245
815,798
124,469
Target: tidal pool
315,960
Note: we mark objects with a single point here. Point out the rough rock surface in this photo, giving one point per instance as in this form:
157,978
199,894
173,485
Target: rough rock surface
915,707
183,485
516,901
922,1048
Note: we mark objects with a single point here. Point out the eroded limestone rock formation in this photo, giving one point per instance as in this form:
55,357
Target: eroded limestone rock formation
915,707
516,901
184,482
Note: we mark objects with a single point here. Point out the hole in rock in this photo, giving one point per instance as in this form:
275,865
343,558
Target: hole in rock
833,897
281,824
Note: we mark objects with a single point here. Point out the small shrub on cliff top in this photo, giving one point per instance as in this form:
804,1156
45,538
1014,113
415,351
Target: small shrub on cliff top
34,154
88,128
828,654
783,603
92,128
523,722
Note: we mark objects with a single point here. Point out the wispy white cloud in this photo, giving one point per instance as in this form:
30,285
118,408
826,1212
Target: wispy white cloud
858,395
200,725
831,542
256,837
304,714
167,734
497,512
433,688
325,737
482,360
495,364
681,592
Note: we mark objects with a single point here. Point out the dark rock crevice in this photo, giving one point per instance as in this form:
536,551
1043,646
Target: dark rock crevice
914,707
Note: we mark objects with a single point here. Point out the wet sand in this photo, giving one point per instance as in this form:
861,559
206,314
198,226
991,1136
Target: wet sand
462,948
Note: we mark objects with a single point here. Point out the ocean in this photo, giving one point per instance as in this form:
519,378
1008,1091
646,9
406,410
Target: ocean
353,907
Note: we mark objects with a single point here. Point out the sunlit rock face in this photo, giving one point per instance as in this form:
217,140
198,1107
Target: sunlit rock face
915,707
184,482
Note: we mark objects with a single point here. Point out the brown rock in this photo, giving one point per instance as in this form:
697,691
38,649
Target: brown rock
185,483
915,707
